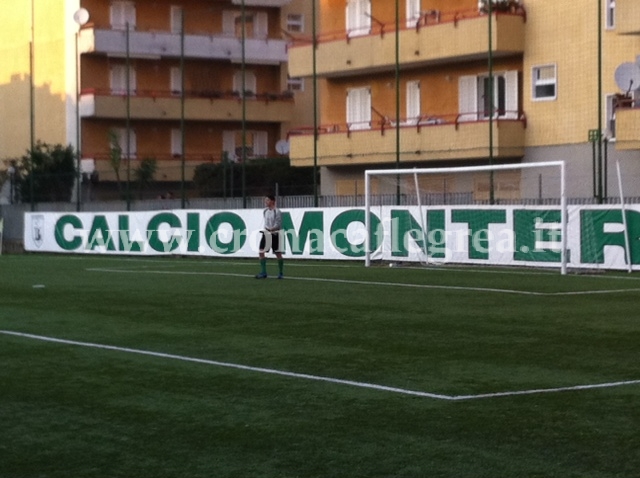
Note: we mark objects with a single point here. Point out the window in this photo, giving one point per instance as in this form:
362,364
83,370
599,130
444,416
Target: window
358,17
295,23
176,81
176,142
544,82
176,19
359,108
118,80
121,134
256,25
610,103
495,102
413,102
610,14
413,13
250,82
475,96
295,84
122,13
256,144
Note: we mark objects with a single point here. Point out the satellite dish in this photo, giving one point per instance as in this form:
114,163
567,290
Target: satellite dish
627,77
81,17
282,146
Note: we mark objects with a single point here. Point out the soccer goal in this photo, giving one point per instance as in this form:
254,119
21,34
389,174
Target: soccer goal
512,214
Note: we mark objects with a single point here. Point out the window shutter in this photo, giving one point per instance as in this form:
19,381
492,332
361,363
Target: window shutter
358,17
117,74
229,144
260,143
413,102
176,19
176,81
262,26
228,23
511,95
467,98
359,108
413,13
176,142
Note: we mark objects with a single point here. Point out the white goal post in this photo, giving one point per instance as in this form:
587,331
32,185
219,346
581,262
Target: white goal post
419,203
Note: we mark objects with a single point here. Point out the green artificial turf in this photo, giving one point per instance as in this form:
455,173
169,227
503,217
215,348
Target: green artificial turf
75,410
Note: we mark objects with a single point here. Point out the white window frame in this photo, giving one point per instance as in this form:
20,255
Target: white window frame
535,82
359,108
295,22
413,12
295,84
358,17
122,12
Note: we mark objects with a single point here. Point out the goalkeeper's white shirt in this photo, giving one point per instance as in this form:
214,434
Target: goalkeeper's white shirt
272,219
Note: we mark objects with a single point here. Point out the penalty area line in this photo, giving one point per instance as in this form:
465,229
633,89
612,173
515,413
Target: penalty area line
216,363
370,283
319,378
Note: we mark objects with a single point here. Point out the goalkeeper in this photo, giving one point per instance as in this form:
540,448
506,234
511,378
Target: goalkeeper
271,237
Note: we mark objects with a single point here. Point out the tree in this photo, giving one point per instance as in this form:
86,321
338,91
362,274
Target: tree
49,171
225,179
144,174
115,157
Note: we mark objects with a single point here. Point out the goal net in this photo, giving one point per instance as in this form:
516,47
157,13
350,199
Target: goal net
502,215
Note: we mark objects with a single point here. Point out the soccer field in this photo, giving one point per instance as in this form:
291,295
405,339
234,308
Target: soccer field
173,367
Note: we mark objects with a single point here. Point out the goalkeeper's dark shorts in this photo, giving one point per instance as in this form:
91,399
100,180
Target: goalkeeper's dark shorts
270,241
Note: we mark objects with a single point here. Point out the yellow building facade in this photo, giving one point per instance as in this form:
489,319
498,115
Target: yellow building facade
557,80
163,79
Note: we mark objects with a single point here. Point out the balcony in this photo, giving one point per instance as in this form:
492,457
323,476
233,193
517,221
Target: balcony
199,106
430,139
628,17
627,129
437,38
167,45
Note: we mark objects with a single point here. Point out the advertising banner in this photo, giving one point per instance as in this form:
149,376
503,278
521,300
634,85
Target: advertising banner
500,235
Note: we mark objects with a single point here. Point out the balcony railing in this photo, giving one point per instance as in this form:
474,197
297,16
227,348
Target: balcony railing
435,38
449,137
386,124
201,105
427,18
163,44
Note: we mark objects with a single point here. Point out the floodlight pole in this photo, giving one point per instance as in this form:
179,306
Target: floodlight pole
315,104
491,100
128,118
599,160
244,109
182,113
397,78
78,173
32,107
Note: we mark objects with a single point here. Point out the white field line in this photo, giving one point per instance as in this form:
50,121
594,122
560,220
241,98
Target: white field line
318,378
374,283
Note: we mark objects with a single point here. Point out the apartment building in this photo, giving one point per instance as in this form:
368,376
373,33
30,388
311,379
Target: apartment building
452,85
178,81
